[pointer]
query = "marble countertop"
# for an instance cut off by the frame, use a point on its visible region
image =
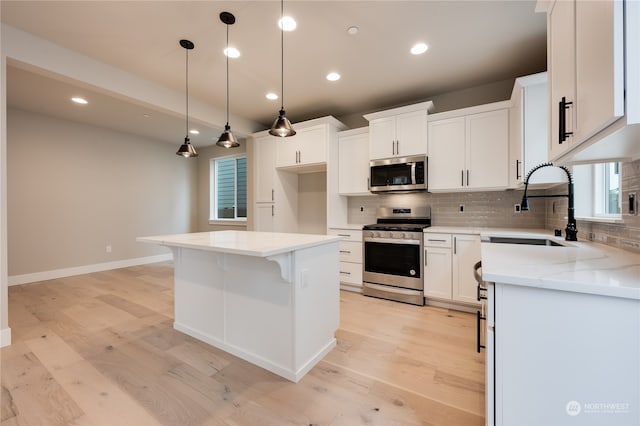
(479, 230)
(247, 243)
(582, 267)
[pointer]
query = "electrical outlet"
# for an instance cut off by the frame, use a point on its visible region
(108, 248)
(461, 208)
(516, 208)
(633, 204)
(361, 208)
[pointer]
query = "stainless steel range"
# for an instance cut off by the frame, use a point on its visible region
(393, 254)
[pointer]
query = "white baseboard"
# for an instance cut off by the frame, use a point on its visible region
(87, 269)
(5, 337)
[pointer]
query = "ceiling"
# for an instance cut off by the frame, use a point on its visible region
(471, 43)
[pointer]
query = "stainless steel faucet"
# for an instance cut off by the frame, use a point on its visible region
(571, 231)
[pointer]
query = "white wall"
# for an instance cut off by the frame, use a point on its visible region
(312, 203)
(73, 189)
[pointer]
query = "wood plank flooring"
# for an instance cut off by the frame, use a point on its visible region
(100, 349)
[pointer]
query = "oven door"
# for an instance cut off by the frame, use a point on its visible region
(393, 262)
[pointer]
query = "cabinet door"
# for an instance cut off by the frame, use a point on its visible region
(353, 164)
(411, 133)
(466, 252)
(446, 154)
(437, 272)
(487, 150)
(287, 151)
(599, 65)
(382, 132)
(264, 221)
(312, 145)
(264, 162)
(562, 71)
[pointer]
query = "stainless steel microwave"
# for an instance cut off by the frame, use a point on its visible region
(398, 174)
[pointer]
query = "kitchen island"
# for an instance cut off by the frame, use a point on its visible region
(271, 299)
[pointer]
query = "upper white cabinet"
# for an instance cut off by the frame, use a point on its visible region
(398, 132)
(469, 149)
(590, 48)
(353, 162)
(307, 147)
(264, 149)
(529, 133)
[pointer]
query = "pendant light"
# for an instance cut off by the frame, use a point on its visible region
(227, 139)
(186, 149)
(282, 126)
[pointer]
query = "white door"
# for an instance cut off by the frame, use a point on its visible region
(312, 145)
(411, 133)
(382, 133)
(353, 164)
(466, 252)
(437, 272)
(446, 154)
(562, 71)
(264, 161)
(488, 150)
(264, 221)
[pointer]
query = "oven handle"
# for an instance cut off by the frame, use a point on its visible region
(392, 241)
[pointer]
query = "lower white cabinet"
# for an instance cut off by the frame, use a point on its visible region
(350, 258)
(562, 357)
(265, 215)
(448, 267)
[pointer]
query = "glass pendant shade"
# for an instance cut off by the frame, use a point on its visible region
(187, 150)
(282, 126)
(227, 139)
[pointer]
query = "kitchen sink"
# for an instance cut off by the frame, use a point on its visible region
(527, 241)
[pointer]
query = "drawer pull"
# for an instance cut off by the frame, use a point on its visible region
(345, 251)
(345, 273)
(439, 241)
(344, 235)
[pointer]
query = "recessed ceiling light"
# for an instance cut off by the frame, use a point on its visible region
(333, 76)
(232, 52)
(78, 100)
(419, 48)
(353, 30)
(194, 132)
(271, 96)
(287, 23)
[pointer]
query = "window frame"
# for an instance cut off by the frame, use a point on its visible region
(213, 192)
(591, 193)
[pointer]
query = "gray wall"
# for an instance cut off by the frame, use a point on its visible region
(75, 188)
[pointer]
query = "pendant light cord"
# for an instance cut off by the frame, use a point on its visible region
(227, 55)
(187, 91)
(282, 53)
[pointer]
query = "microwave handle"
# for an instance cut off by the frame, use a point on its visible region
(413, 173)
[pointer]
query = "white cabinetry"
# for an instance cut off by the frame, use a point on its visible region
(350, 258)
(469, 149)
(585, 46)
(398, 132)
(264, 149)
(575, 354)
(353, 162)
(448, 268)
(529, 133)
(307, 147)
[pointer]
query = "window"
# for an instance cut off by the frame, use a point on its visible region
(597, 191)
(228, 188)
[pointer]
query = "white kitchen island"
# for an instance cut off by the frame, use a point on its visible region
(269, 298)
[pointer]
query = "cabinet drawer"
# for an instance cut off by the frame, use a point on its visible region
(351, 273)
(350, 251)
(437, 240)
(348, 234)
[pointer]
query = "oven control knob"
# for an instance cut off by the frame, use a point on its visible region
(412, 272)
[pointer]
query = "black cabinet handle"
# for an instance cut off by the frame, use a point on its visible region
(479, 318)
(563, 106)
(517, 169)
(461, 177)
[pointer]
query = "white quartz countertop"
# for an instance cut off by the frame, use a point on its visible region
(247, 243)
(478, 230)
(582, 267)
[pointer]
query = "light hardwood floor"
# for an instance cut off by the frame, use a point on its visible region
(99, 349)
